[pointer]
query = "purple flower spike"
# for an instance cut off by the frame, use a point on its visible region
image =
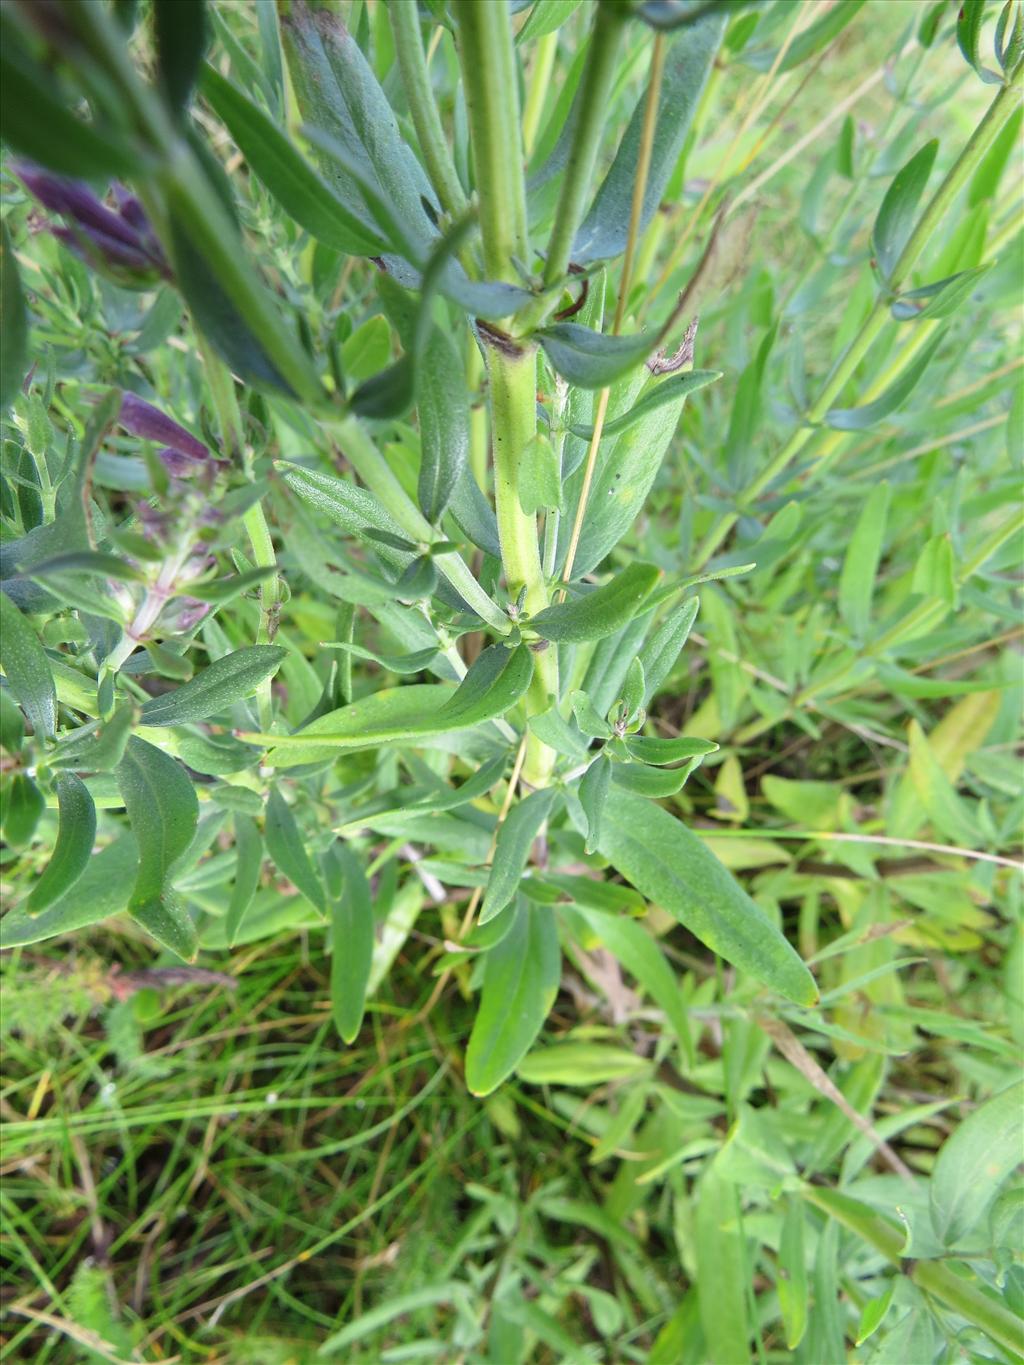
(142, 419)
(118, 243)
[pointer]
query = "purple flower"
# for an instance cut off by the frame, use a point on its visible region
(119, 243)
(182, 454)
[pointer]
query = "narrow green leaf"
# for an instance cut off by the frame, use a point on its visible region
(13, 323)
(36, 120)
(217, 688)
(722, 1271)
(493, 685)
(354, 509)
(632, 944)
(592, 360)
(521, 976)
(588, 718)
(859, 419)
(12, 725)
(660, 652)
(76, 832)
(163, 813)
(23, 806)
(668, 391)
(873, 1314)
(215, 313)
(950, 815)
(806, 44)
(602, 611)
(443, 405)
(248, 864)
(296, 186)
(942, 299)
(545, 17)
(968, 36)
(791, 1283)
(181, 38)
(653, 782)
(935, 571)
(352, 938)
(101, 891)
(646, 749)
(671, 867)
(688, 63)
(857, 578)
(27, 669)
(99, 745)
(286, 847)
(512, 850)
(898, 213)
(556, 732)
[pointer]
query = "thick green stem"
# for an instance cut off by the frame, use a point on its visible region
(489, 77)
(405, 25)
(513, 405)
(966, 1296)
(994, 120)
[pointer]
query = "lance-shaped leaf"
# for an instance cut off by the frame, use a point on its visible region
(660, 652)
(521, 976)
(974, 1162)
(181, 38)
(98, 745)
(592, 360)
(857, 579)
(288, 850)
(633, 945)
(348, 505)
(27, 669)
(163, 813)
(602, 611)
(688, 63)
(296, 186)
(442, 402)
(898, 212)
(593, 792)
(859, 419)
(248, 864)
(13, 323)
(806, 44)
(656, 783)
(512, 850)
(76, 831)
(493, 685)
(352, 941)
(217, 688)
(672, 868)
(661, 751)
(668, 391)
(101, 891)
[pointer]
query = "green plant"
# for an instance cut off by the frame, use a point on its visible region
(206, 635)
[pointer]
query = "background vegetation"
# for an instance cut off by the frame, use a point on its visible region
(196, 1168)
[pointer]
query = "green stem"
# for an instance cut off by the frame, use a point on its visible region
(412, 62)
(995, 118)
(968, 1297)
(232, 435)
(513, 399)
(489, 78)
